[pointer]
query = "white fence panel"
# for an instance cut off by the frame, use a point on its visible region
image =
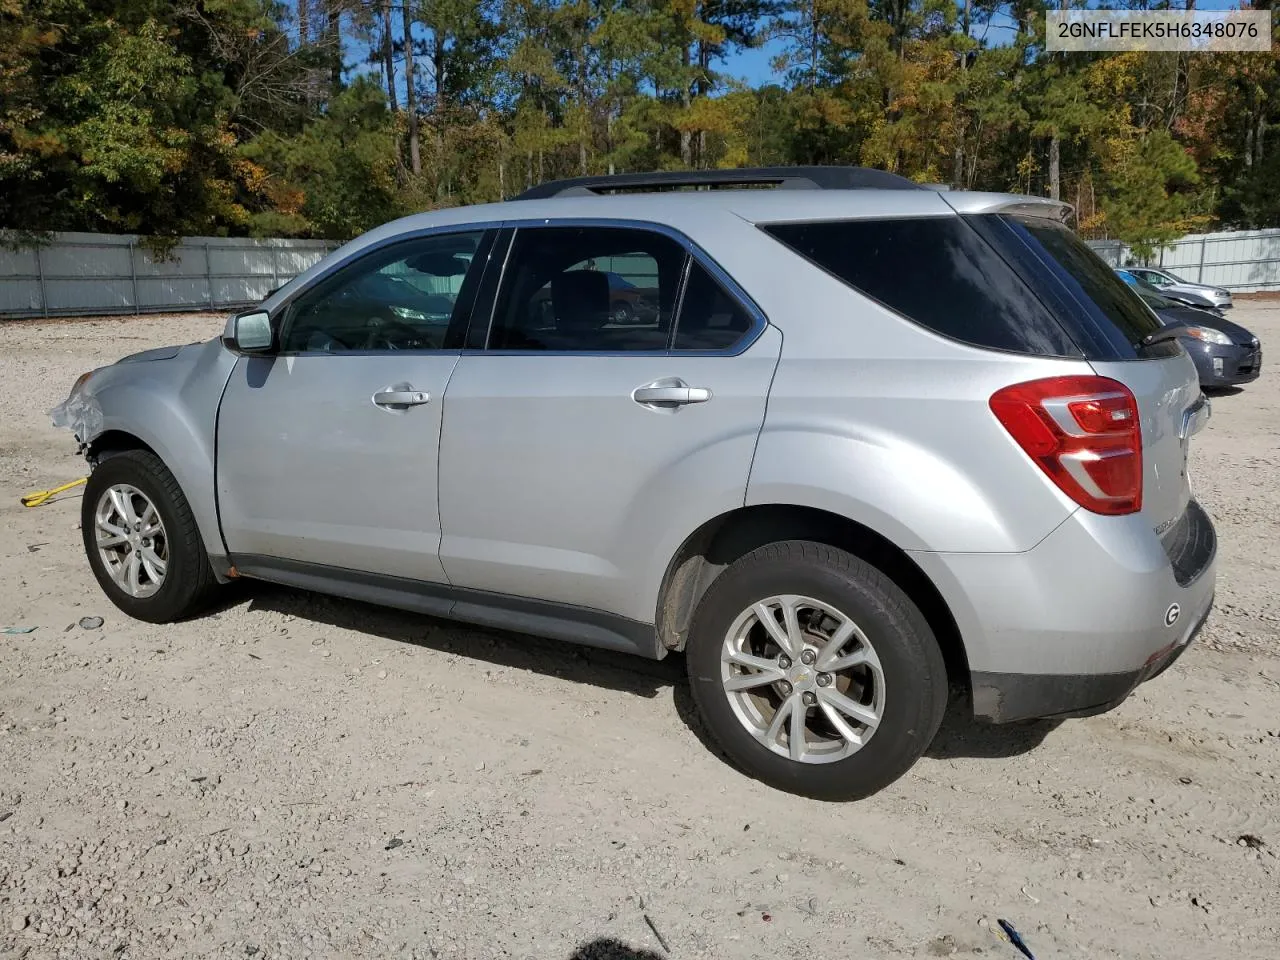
(1243, 261)
(87, 273)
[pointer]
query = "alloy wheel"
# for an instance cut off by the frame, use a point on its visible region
(131, 540)
(803, 679)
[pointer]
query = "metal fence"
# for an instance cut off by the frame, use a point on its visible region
(89, 273)
(1244, 261)
(85, 274)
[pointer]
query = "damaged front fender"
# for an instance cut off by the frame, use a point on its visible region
(168, 401)
(80, 413)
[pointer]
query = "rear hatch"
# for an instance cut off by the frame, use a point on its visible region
(1113, 327)
(1007, 275)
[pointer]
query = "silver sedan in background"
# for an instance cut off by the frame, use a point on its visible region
(1170, 283)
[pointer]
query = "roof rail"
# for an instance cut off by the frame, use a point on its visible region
(782, 178)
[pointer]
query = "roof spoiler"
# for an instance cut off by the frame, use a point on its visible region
(965, 202)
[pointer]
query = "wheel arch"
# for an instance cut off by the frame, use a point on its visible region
(709, 550)
(115, 441)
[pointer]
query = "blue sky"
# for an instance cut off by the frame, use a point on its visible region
(753, 66)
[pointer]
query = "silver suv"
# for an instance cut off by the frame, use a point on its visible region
(867, 442)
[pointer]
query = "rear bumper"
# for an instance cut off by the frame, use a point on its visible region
(1005, 697)
(1073, 625)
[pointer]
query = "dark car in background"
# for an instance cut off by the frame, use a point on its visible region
(1225, 353)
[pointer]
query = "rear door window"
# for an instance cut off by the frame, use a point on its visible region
(937, 272)
(587, 289)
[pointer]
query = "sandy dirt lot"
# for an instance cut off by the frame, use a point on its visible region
(296, 777)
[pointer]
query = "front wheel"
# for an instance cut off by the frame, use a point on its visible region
(142, 540)
(814, 672)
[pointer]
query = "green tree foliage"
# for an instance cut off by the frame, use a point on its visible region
(337, 177)
(325, 117)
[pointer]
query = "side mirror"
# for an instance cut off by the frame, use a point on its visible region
(249, 333)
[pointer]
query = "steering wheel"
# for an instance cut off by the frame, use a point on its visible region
(382, 330)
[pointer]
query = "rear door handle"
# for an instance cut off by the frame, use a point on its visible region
(401, 398)
(671, 392)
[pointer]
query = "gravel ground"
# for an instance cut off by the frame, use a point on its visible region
(294, 776)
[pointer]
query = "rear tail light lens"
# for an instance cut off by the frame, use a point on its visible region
(1084, 433)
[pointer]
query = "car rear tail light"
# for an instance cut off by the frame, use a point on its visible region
(1084, 433)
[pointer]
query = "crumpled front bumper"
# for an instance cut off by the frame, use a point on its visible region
(81, 414)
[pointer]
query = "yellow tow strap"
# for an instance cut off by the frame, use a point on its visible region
(43, 496)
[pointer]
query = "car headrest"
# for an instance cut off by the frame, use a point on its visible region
(580, 299)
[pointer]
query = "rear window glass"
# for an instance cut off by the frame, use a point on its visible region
(1086, 277)
(937, 272)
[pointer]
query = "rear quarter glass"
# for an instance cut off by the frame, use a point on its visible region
(1015, 283)
(937, 272)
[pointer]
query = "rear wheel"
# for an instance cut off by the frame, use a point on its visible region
(142, 541)
(814, 672)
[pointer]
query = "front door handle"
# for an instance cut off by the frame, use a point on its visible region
(671, 392)
(401, 398)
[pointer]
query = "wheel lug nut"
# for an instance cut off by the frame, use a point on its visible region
(824, 679)
(785, 687)
(809, 698)
(784, 662)
(808, 657)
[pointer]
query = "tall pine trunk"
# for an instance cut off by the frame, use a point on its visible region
(439, 105)
(957, 160)
(333, 36)
(388, 60)
(1055, 185)
(410, 97)
(686, 100)
(814, 28)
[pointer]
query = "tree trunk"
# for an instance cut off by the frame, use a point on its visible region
(703, 89)
(334, 37)
(410, 98)
(1054, 183)
(440, 103)
(388, 60)
(1261, 136)
(957, 162)
(813, 45)
(304, 23)
(686, 100)
(608, 136)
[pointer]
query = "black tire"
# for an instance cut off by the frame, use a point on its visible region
(915, 676)
(188, 583)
